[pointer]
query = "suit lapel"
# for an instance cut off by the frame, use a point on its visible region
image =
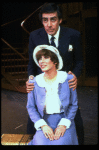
(44, 37)
(61, 32)
(63, 37)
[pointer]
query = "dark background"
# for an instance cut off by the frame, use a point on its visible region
(13, 13)
(14, 10)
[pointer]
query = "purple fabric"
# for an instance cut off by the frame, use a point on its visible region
(69, 138)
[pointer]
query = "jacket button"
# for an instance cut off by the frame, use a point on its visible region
(61, 107)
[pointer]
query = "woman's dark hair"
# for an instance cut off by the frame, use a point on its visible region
(50, 8)
(47, 53)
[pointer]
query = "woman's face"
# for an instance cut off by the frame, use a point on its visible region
(46, 64)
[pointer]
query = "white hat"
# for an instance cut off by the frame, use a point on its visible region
(51, 48)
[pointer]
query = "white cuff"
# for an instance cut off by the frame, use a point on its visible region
(65, 122)
(31, 76)
(39, 123)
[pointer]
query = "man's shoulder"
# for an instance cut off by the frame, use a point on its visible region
(38, 31)
(70, 31)
(74, 31)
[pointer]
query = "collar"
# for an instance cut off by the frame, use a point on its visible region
(56, 35)
(61, 78)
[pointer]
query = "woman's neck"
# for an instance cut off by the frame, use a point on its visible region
(50, 75)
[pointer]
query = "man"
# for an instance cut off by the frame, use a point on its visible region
(68, 42)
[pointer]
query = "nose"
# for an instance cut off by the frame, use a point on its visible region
(49, 23)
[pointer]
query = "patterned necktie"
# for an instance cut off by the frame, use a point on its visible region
(52, 41)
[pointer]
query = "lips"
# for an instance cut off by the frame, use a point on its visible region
(43, 66)
(50, 30)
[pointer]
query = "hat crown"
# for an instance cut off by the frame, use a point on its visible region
(48, 47)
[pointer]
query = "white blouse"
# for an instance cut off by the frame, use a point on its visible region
(52, 102)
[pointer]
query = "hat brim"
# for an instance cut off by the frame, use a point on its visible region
(51, 48)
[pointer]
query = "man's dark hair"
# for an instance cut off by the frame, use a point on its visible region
(50, 8)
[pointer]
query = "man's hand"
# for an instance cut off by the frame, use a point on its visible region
(48, 132)
(29, 86)
(59, 131)
(73, 81)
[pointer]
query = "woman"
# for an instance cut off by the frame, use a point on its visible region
(52, 105)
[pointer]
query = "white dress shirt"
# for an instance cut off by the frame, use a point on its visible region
(56, 38)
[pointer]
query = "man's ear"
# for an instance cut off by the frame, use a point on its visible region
(60, 21)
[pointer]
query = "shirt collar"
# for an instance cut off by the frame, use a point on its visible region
(56, 35)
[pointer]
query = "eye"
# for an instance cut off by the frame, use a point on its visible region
(39, 58)
(53, 19)
(45, 19)
(46, 57)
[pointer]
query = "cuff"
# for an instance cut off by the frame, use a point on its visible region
(39, 123)
(31, 76)
(65, 122)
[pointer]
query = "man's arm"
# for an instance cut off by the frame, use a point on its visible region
(29, 86)
(77, 56)
(32, 68)
(72, 82)
(31, 65)
(78, 61)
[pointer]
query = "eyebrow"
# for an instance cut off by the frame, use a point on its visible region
(50, 18)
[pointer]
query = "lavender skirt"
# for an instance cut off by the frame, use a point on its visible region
(69, 138)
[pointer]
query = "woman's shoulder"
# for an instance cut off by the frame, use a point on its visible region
(63, 76)
(36, 78)
(39, 80)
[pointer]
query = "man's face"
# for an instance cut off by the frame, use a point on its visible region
(51, 22)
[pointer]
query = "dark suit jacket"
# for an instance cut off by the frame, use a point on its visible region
(72, 60)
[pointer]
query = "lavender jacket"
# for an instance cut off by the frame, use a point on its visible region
(68, 98)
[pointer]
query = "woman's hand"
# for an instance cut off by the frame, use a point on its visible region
(59, 131)
(48, 132)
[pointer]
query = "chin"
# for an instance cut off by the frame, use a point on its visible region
(51, 33)
(44, 70)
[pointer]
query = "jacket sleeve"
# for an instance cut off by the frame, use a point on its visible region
(32, 109)
(71, 109)
(31, 105)
(78, 56)
(73, 104)
(32, 68)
